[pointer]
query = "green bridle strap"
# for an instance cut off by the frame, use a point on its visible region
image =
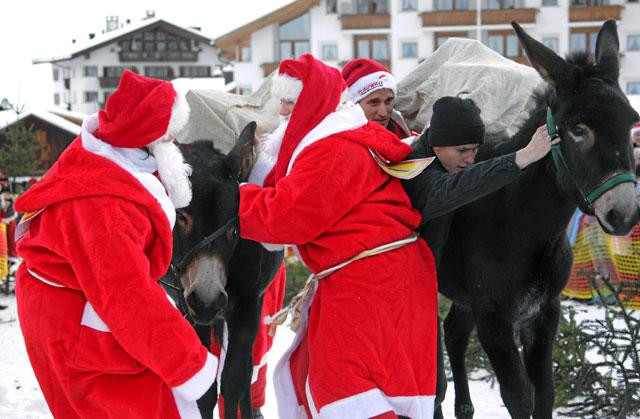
(559, 162)
(609, 184)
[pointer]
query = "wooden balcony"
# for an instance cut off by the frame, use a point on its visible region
(268, 68)
(468, 17)
(492, 17)
(188, 56)
(108, 82)
(449, 18)
(594, 13)
(372, 21)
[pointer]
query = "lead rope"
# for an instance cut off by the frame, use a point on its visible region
(295, 305)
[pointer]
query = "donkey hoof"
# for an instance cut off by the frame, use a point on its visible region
(464, 411)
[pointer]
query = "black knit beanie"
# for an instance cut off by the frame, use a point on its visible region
(455, 121)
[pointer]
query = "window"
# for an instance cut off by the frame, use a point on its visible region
(366, 7)
(90, 71)
(56, 74)
(159, 72)
(409, 50)
(452, 5)
(56, 98)
(504, 43)
(583, 39)
(589, 2)
(330, 52)
(549, 2)
(633, 43)
(155, 40)
(375, 47)
(501, 4)
(633, 88)
(332, 7)
(245, 54)
(496, 43)
(195, 71)
(114, 71)
(90, 97)
(551, 43)
(409, 5)
(441, 37)
(294, 37)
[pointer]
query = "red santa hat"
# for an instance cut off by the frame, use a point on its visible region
(146, 112)
(316, 88)
(364, 76)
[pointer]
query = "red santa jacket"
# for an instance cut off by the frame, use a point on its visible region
(335, 202)
(89, 204)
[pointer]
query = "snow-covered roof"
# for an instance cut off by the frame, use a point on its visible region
(72, 116)
(111, 36)
(9, 117)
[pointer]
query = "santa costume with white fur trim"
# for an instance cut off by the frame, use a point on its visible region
(360, 352)
(102, 337)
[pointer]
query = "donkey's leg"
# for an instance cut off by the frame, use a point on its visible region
(495, 332)
(238, 368)
(537, 340)
(208, 401)
(457, 328)
(441, 380)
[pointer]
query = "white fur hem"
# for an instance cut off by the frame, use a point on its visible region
(199, 383)
(370, 83)
(285, 87)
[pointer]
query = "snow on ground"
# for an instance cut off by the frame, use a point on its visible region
(20, 396)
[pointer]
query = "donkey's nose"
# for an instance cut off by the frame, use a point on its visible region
(622, 221)
(205, 311)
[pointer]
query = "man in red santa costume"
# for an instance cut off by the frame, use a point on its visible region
(366, 345)
(372, 86)
(103, 338)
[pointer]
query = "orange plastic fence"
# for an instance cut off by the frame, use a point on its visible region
(598, 255)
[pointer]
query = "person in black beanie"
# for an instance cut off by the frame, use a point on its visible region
(453, 179)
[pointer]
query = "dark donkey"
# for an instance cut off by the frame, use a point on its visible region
(508, 256)
(221, 277)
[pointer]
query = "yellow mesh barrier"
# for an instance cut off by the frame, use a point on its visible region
(4, 251)
(597, 255)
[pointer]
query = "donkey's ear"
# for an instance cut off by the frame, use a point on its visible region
(607, 49)
(550, 65)
(242, 156)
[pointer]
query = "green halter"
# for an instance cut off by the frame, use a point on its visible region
(560, 163)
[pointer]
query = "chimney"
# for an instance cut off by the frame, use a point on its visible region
(150, 14)
(112, 23)
(73, 41)
(92, 35)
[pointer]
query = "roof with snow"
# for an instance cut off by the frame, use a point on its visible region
(10, 117)
(101, 40)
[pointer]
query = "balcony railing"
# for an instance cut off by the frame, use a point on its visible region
(370, 21)
(127, 56)
(594, 13)
(468, 17)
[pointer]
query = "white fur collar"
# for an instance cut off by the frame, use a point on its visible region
(137, 162)
(346, 119)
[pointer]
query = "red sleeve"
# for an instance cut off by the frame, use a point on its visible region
(325, 183)
(106, 250)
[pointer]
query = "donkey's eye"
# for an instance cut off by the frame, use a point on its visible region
(579, 133)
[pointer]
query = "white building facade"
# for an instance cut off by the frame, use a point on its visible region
(84, 78)
(402, 33)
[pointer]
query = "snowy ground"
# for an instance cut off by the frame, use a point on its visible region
(20, 396)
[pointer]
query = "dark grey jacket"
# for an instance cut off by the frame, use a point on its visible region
(436, 193)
